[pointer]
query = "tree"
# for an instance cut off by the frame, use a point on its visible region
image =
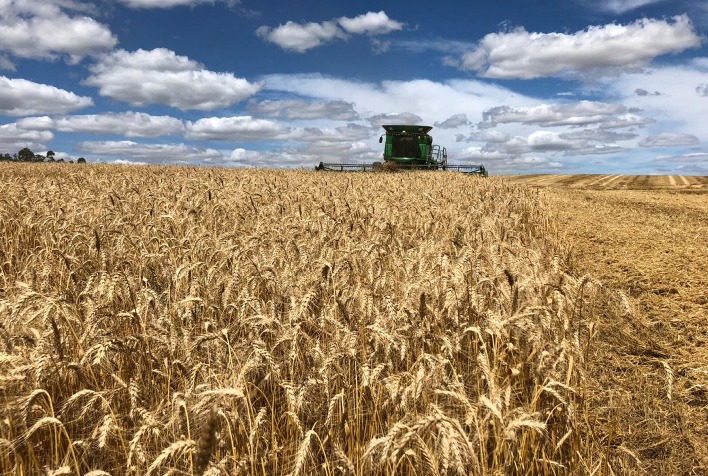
(81, 160)
(50, 156)
(25, 155)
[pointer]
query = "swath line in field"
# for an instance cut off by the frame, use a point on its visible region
(684, 180)
(583, 181)
(597, 180)
(611, 179)
(550, 179)
(672, 180)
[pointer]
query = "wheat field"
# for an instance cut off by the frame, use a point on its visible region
(171, 320)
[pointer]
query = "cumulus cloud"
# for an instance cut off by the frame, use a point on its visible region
(644, 92)
(337, 151)
(698, 158)
(428, 101)
(160, 76)
(678, 108)
(484, 135)
(370, 23)
(702, 90)
(237, 128)
(378, 120)
(501, 162)
(128, 124)
(627, 120)
(454, 121)
(621, 6)
(300, 37)
(599, 135)
(166, 3)
(43, 30)
(344, 134)
(6, 64)
(519, 54)
(537, 150)
(13, 138)
(297, 109)
(669, 139)
(379, 47)
(582, 113)
(694, 163)
(148, 153)
(19, 97)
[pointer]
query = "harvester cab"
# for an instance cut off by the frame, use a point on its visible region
(407, 147)
(411, 147)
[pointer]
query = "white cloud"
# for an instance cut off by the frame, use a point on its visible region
(128, 124)
(345, 134)
(394, 118)
(297, 109)
(43, 30)
(693, 163)
(165, 3)
(669, 139)
(678, 107)
(13, 138)
(547, 141)
(305, 157)
(539, 150)
(428, 101)
(503, 163)
(621, 6)
(485, 135)
(237, 128)
(126, 162)
(454, 121)
(627, 120)
(19, 97)
(6, 64)
(581, 113)
(301, 37)
(338, 151)
(370, 23)
(379, 47)
(149, 153)
(609, 48)
(160, 76)
(599, 135)
(246, 128)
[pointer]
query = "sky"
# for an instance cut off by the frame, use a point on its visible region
(521, 86)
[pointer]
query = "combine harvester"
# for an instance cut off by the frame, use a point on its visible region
(408, 147)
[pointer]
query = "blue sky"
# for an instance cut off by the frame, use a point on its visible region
(575, 86)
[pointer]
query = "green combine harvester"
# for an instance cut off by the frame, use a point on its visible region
(408, 147)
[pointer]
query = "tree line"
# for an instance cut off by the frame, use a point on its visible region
(26, 155)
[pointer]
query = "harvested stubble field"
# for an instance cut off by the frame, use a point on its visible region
(646, 236)
(210, 321)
